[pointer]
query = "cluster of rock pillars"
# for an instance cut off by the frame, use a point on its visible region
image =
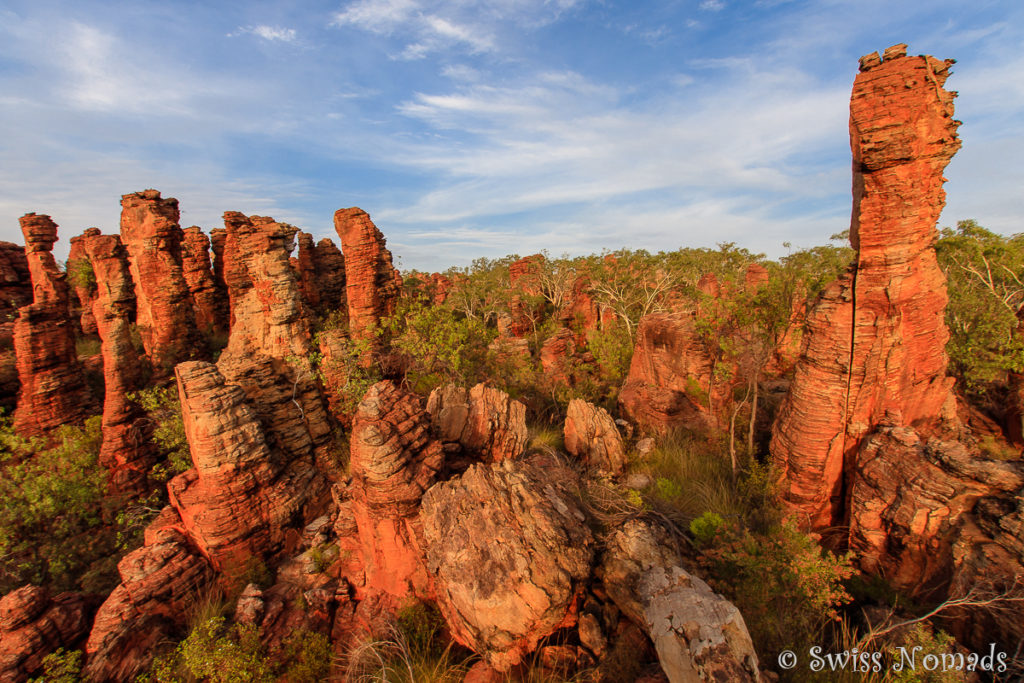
(442, 503)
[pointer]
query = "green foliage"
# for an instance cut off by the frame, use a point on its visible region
(163, 407)
(217, 652)
(932, 642)
(61, 666)
(52, 503)
(613, 349)
(421, 626)
(81, 274)
(706, 527)
(441, 347)
(984, 272)
(347, 372)
(787, 588)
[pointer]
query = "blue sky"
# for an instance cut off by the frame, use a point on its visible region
(486, 127)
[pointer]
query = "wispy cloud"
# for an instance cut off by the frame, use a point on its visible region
(270, 33)
(712, 5)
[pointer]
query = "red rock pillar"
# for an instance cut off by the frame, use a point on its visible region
(152, 236)
(83, 285)
(210, 302)
(370, 283)
(53, 390)
(875, 346)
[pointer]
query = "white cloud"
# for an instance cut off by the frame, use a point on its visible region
(712, 5)
(271, 33)
(377, 16)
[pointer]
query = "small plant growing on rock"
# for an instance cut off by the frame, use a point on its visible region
(706, 527)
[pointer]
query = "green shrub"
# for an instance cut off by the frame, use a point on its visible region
(163, 407)
(81, 274)
(706, 527)
(61, 666)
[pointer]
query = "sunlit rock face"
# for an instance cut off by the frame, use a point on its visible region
(875, 347)
(372, 283)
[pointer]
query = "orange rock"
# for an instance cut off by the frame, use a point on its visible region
(210, 304)
(83, 291)
(394, 460)
(32, 625)
(484, 421)
(372, 284)
(591, 436)
(876, 340)
(164, 308)
(127, 451)
(321, 274)
(53, 390)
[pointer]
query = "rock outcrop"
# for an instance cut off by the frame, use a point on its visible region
(53, 390)
(32, 625)
(371, 285)
(591, 436)
(127, 451)
(509, 548)
(82, 283)
(244, 499)
(209, 302)
(484, 421)
(159, 582)
(164, 308)
(699, 635)
(670, 376)
(321, 274)
(394, 460)
(15, 281)
(875, 349)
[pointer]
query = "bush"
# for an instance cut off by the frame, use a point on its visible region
(706, 527)
(81, 274)
(163, 407)
(52, 505)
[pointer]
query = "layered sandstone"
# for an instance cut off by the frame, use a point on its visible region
(484, 421)
(82, 282)
(32, 625)
(372, 284)
(394, 459)
(670, 376)
(164, 308)
(159, 583)
(875, 347)
(321, 274)
(509, 548)
(15, 281)
(243, 499)
(126, 451)
(53, 390)
(210, 304)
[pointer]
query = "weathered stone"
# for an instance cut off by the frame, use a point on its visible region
(371, 285)
(484, 421)
(394, 460)
(698, 634)
(209, 301)
(158, 583)
(321, 274)
(53, 390)
(164, 309)
(32, 625)
(127, 451)
(876, 340)
(81, 284)
(670, 376)
(509, 548)
(591, 435)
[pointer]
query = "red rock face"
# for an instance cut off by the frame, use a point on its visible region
(755, 278)
(270, 341)
(218, 239)
(441, 287)
(77, 266)
(32, 625)
(370, 279)
(591, 436)
(127, 451)
(321, 272)
(524, 274)
(305, 266)
(484, 421)
(556, 355)
(876, 344)
(210, 305)
(52, 391)
(394, 460)
(15, 281)
(165, 317)
(669, 376)
(244, 498)
(159, 582)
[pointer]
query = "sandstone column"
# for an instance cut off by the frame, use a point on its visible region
(371, 284)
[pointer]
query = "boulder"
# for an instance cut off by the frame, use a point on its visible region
(484, 420)
(591, 436)
(32, 625)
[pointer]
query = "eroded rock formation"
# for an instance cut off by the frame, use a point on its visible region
(83, 284)
(394, 460)
(321, 273)
(32, 625)
(483, 421)
(509, 548)
(371, 285)
(164, 308)
(53, 390)
(127, 451)
(875, 347)
(210, 304)
(670, 376)
(699, 635)
(591, 436)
